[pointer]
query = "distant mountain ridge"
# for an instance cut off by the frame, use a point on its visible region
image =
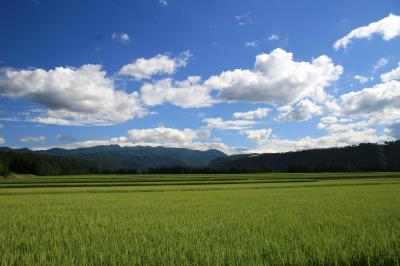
(141, 158)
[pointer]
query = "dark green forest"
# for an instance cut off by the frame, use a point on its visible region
(41, 164)
(364, 157)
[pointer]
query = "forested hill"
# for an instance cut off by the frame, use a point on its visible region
(364, 157)
(101, 159)
(114, 157)
(26, 162)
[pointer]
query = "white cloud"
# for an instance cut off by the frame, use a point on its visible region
(33, 139)
(379, 104)
(361, 79)
(301, 111)
(163, 2)
(334, 139)
(391, 75)
(343, 126)
(258, 113)
(2, 141)
(253, 44)
(388, 28)
(162, 135)
(345, 120)
(1, 125)
(144, 68)
(276, 77)
(244, 19)
(328, 120)
(258, 135)
(73, 96)
(189, 93)
(381, 63)
(273, 37)
(121, 37)
(219, 123)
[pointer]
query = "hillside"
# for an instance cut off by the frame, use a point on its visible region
(101, 159)
(364, 157)
(114, 157)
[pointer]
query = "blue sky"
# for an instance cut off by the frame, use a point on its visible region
(240, 76)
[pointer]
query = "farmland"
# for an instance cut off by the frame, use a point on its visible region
(248, 219)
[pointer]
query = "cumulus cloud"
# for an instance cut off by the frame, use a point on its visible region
(258, 113)
(361, 79)
(189, 93)
(162, 135)
(219, 123)
(335, 139)
(391, 75)
(143, 68)
(2, 141)
(379, 104)
(33, 139)
(163, 2)
(388, 28)
(121, 37)
(277, 78)
(73, 96)
(258, 135)
(301, 111)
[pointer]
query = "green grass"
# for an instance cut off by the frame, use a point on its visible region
(255, 219)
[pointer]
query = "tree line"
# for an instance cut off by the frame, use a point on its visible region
(363, 157)
(40, 164)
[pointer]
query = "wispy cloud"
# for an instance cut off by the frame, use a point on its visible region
(219, 123)
(33, 139)
(63, 138)
(253, 44)
(273, 37)
(391, 75)
(244, 19)
(163, 2)
(388, 28)
(121, 37)
(258, 113)
(381, 63)
(362, 79)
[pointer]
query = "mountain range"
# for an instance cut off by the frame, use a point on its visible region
(115, 159)
(141, 158)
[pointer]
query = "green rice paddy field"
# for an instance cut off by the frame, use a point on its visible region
(249, 219)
